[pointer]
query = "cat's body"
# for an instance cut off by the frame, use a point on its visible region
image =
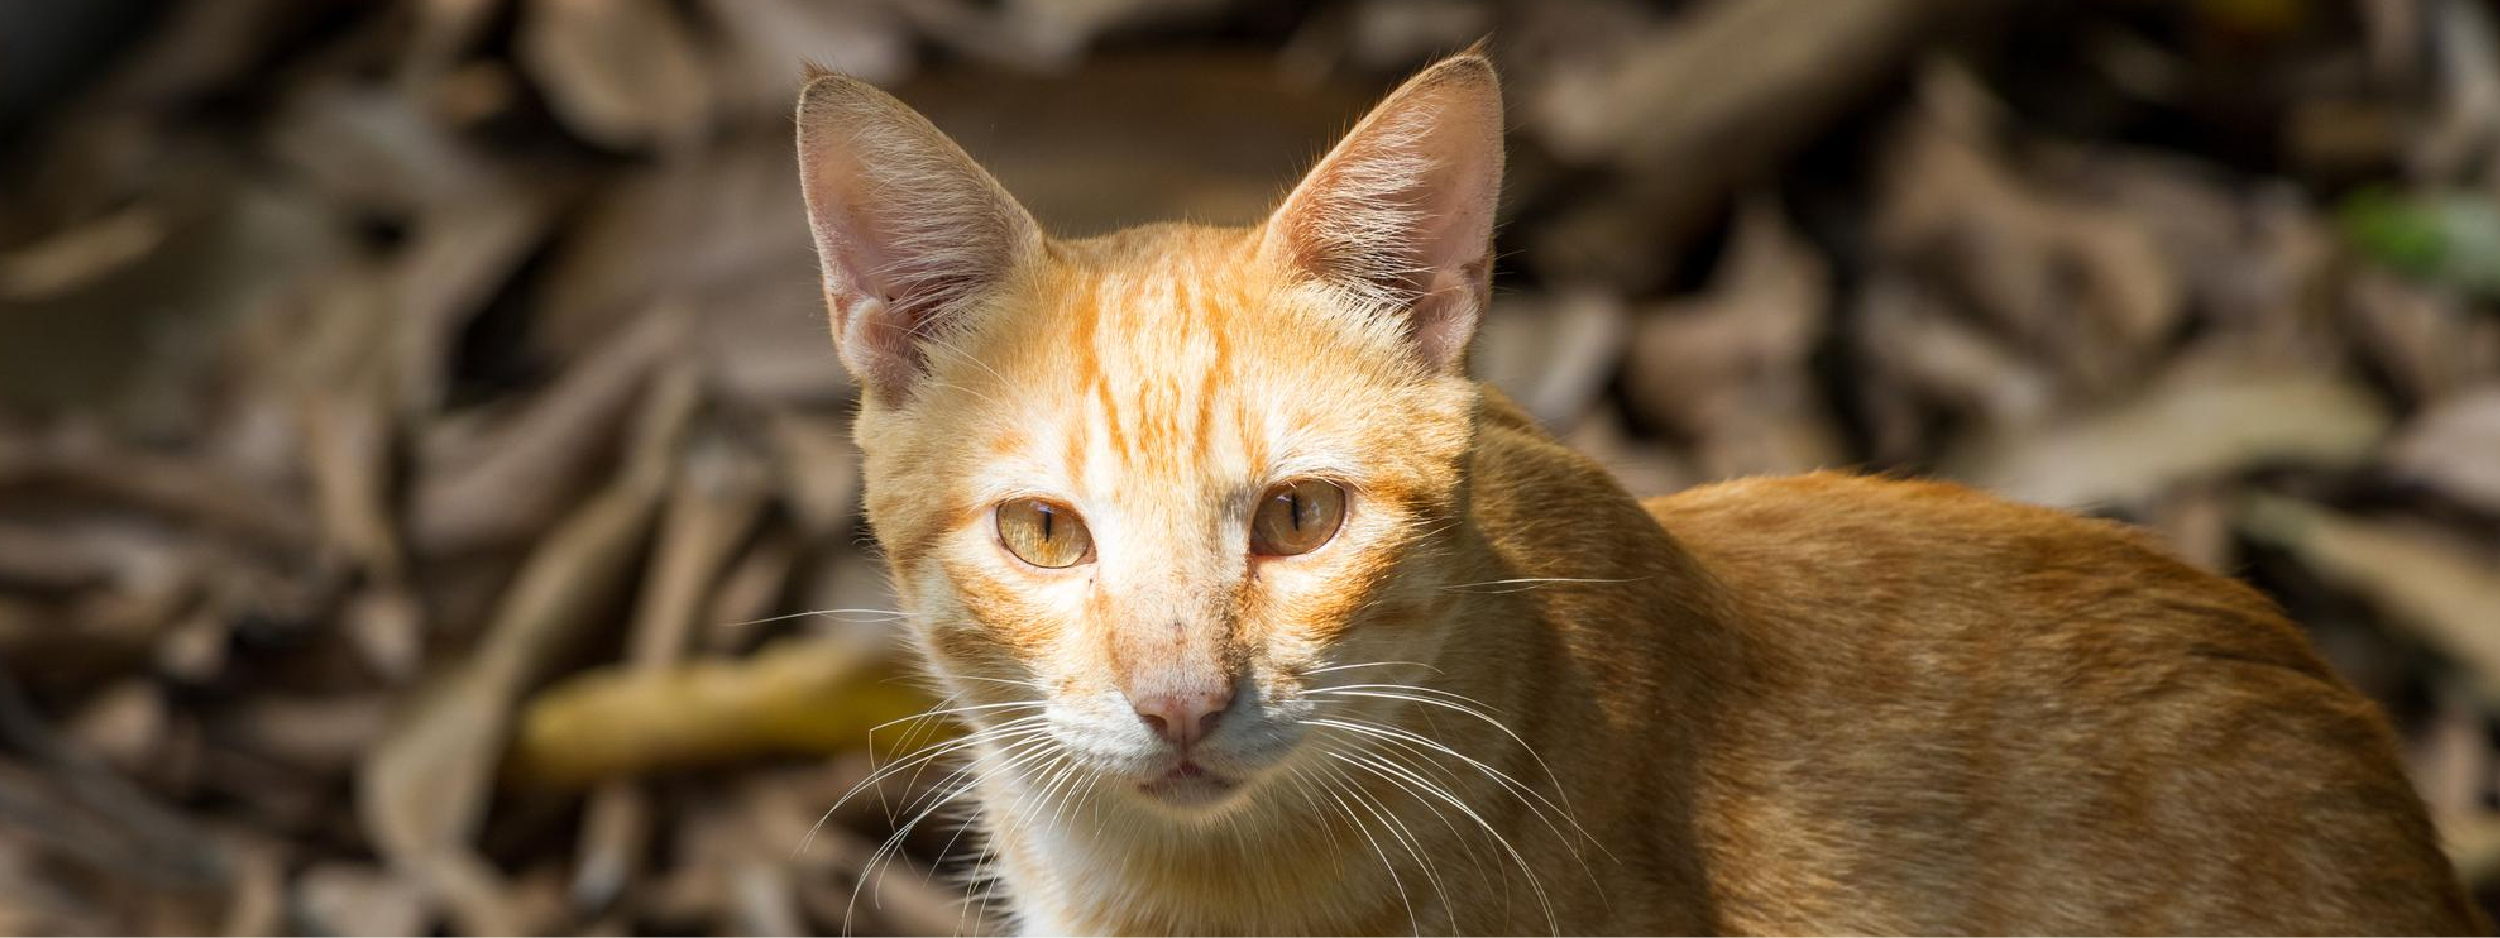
(1832, 704)
(1267, 620)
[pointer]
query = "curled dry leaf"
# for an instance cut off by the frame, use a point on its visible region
(765, 41)
(2084, 285)
(500, 488)
(1553, 358)
(1382, 36)
(748, 591)
(2454, 448)
(2452, 761)
(82, 464)
(460, 251)
(1919, 355)
(2439, 589)
(256, 905)
(2465, 52)
(625, 74)
(1040, 35)
(1721, 94)
(1729, 368)
(2197, 425)
(321, 735)
(720, 494)
(376, 147)
(2194, 517)
(347, 435)
(124, 725)
(2256, 264)
(74, 257)
(355, 900)
(692, 231)
(2428, 341)
(1644, 468)
(818, 469)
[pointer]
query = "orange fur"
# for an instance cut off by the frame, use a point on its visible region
(1821, 704)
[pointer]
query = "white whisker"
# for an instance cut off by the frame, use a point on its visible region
(1526, 583)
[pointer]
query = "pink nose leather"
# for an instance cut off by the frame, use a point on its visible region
(1184, 717)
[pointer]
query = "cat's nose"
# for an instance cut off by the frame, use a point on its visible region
(1184, 716)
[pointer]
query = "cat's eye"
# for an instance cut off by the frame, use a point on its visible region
(1044, 534)
(1296, 518)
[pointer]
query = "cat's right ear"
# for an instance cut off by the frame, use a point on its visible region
(909, 230)
(1400, 215)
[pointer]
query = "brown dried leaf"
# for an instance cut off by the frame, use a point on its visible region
(720, 493)
(512, 482)
(123, 725)
(1643, 468)
(1553, 358)
(766, 40)
(1722, 94)
(2460, 144)
(1918, 355)
(2429, 342)
(746, 593)
(76, 256)
(84, 464)
(2195, 518)
(1730, 368)
(818, 470)
(2454, 448)
(317, 735)
(355, 900)
(625, 74)
(375, 147)
(422, 791)
(2196, 425)
(694, 231)
(2083, 284)
(461, 250)
(2443, 593)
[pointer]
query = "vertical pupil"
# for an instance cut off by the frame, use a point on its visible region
(1044, 511)
(1293, 508)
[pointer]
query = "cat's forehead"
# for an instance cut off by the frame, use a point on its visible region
(1166, 350)
(1170, 309)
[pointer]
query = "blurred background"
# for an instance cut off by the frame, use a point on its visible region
(426, 502)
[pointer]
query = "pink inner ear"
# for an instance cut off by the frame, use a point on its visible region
(908, 228)
(1400, 214)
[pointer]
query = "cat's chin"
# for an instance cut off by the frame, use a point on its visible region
(1190, 788)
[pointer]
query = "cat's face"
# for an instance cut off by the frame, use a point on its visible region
(1143, 494)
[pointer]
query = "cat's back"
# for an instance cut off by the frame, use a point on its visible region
(1966, 714)
(1867, 562)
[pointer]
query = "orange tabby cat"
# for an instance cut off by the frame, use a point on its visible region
(1265, 619)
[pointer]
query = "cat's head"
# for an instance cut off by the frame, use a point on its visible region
(1146, 495)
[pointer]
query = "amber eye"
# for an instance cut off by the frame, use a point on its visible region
(1044, 534)
(1296, 518)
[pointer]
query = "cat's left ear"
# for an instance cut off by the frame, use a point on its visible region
(910, 232)
(1400, 214)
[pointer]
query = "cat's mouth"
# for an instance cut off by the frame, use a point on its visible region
(1189, 785)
